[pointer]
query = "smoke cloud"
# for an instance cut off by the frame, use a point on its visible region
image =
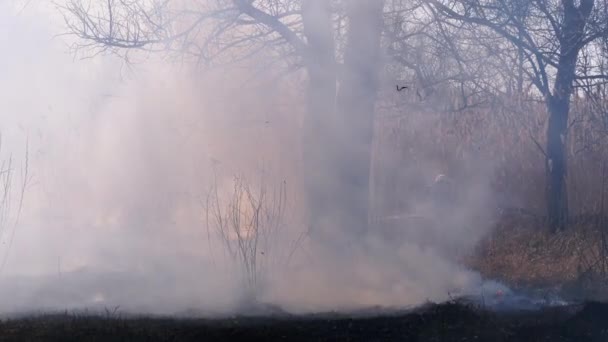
(122, 160)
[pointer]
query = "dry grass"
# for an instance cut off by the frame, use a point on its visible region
(500, 144)
(522, 253)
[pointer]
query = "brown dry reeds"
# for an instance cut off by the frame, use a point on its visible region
(505, 136)
(502, 142)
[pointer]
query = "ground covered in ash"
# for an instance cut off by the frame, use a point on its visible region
(454, 321)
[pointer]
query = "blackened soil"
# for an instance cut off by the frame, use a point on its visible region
(442, 322)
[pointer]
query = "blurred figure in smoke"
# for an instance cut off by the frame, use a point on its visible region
(444, 215)
(443, 196)
(426, 225)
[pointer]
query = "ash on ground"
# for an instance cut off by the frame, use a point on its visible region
(495, 296)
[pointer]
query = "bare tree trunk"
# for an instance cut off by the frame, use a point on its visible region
(575, 19)
(355, 113)
(556, 167)
(318, 138)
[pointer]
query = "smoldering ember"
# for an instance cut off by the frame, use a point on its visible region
(327, 170)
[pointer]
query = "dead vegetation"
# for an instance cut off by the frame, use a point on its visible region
(14, 180)
(250, 223)
(500, 146)
(523, 254)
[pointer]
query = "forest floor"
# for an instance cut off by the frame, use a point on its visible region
(454, 321)
(517, 253)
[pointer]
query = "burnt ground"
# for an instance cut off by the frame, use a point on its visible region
(444, 322)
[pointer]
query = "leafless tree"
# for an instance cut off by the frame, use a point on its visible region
(449, 67)
(549, 37)
(308, 34)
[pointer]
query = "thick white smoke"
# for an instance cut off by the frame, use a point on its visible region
(121, 160)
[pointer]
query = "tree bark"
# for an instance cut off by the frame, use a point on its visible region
(558, 104)
(556, 163)
(355, 112)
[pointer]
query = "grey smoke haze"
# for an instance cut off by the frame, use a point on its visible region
(121, 158)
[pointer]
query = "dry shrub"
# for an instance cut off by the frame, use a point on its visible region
(14, 181)
(250, 224)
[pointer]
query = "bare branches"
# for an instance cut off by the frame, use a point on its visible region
(270, 21)
(205, 30)
(122, 25)
(9, 220)
(546, 30)
(250, 225)
(117, 24)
